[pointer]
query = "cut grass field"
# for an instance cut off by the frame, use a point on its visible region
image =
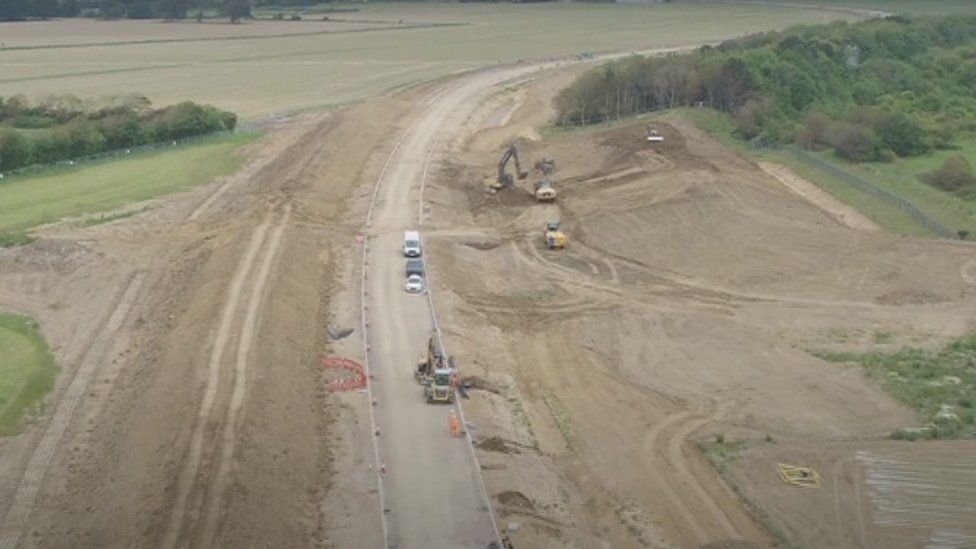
(29, 201)
(262, 67)
(27, 371)
(898, 177)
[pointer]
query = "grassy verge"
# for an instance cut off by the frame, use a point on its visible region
(563, 423)
(899, 178)
(940, 385)
(15, 238)
(30, 201)
(27, 371)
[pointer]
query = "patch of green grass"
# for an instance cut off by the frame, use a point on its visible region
(940, 385)
(27, 371)
(901, 178)
(720, 453)
(30, 201)
(12, 239)
(519, 417)
(563, 422)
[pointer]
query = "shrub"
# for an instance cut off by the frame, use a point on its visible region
(15, 150)
(856, 143)
(955, 175)
(902, 134)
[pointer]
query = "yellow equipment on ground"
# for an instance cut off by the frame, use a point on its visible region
(553, 236)
(435, 374)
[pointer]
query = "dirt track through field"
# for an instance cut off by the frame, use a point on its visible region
(90, 360)
(231, 422)
(188, 476)
(261, 248)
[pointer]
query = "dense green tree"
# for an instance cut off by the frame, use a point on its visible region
(15, 150)
(900, 86)
(172, 10)
(902, 134)
(70, 8)
(236, 9)
(13, 10)
(75, 128)
(44, 9)
(140, 9)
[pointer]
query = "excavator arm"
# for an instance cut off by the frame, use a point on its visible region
(504, 179)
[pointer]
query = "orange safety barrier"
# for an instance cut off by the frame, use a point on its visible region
(356, 381)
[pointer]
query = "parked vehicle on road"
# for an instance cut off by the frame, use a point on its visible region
(411, 244)
(414, 267)
(414, 284)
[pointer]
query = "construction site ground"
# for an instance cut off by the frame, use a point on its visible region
(193, 411)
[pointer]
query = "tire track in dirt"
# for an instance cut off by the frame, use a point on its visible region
(655, 443)
(677, 458)
(90, 358)
(246, 341)
(191, 465)
(685, 491)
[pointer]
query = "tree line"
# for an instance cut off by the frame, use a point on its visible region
(872, 91)
(174, 10)
(65, 127)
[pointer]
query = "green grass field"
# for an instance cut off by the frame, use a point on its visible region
(898, 177)
(261, 67)
(30, 201)
(27, 371)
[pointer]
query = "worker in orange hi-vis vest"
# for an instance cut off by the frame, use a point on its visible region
(452, 421)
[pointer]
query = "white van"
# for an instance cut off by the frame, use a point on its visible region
(411, 244)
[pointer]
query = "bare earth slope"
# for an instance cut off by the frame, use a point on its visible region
(690, 287)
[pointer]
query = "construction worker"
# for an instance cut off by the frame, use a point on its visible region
(453, 424)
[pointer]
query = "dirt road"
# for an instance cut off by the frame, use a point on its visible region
(433, 489)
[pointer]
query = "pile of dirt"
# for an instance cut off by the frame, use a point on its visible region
(498, 444)
(515, 499)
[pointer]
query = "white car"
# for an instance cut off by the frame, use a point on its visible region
(415, 284)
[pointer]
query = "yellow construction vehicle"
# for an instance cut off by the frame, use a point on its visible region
(503, 179)
(435, 374)
(553, 236)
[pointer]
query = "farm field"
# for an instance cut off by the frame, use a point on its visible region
(242, 69)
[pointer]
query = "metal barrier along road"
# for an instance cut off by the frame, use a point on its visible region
(870, 188)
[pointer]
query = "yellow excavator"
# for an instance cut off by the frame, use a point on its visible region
(505, 180)
(553, 236)
(434, 373)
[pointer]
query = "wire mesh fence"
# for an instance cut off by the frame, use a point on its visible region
(116, 154)
(870, 188)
